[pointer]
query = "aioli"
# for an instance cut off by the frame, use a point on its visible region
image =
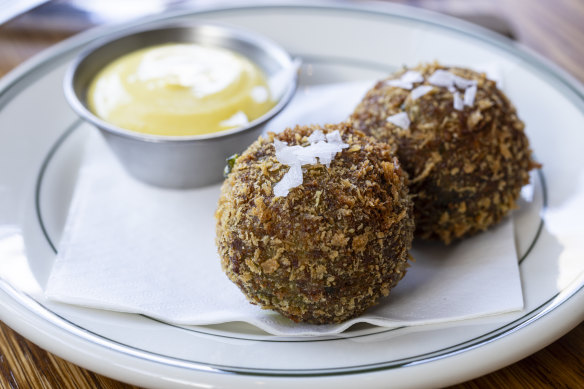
(180, 89)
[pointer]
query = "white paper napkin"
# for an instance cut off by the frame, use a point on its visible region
(134, 248)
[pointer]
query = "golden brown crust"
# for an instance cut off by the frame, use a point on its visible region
(466, 167)
(330, 248)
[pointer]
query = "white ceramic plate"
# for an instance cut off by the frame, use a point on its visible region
(40, 151)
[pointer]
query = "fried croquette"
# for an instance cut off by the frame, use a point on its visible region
(460, 140)
(331, 246)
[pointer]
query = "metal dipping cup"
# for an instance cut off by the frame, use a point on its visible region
(180, 162)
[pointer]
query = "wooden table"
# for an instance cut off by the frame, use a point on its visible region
(555, 29)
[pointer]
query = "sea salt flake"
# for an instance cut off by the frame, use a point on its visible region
(457, 102)
(469, 95)
(420, 91)
(400, 119)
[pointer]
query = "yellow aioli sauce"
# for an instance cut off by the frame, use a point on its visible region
(180, 89)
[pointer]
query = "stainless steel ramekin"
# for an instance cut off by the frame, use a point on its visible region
(179, 161)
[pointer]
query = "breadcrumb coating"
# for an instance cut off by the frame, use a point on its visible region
(329, 249)
(466, 166)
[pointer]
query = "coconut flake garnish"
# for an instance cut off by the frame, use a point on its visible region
(469, 95)
(420, 91)
(442, 78)
(322, 147)
(407, 80)
(458, 103)
(399, 84)
(412, 76)
(400, 119)
(451, 81)
(463, 83)
(316, 136)
(291, 179)
(334, 138)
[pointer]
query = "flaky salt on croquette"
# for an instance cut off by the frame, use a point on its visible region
(459, 138)
(333, 245)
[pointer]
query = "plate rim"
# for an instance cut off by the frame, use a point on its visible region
(21, 76)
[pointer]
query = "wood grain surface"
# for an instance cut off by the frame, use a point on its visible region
(554, 29)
